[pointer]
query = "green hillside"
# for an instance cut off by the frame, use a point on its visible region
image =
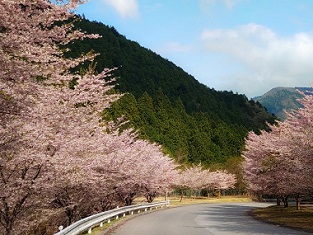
(192, 122)
(280, 100)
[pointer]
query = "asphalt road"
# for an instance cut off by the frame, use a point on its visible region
(217, 219)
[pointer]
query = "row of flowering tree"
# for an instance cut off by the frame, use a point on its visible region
(59, 161)
(280, 162)
(196, 178)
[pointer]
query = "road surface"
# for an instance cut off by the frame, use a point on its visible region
(202, 219)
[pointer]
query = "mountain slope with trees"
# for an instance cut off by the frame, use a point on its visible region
(194, 123)
(280, 100)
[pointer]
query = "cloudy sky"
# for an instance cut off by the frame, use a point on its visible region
(246, 46)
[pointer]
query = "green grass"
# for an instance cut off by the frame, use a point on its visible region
(175, 201)
(289, 217)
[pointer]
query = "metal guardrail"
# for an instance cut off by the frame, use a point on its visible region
(92, 221)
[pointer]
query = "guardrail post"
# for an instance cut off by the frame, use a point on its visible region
(89, 231)
(101, 224)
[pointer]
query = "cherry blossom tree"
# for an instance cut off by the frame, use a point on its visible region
(60, 138)
(221, 180)
(257, 149)
(267, 169)
(192, 178)
(55, 150)
(300, 148)
(279, 162)
(37, 108)
(145, 171)
(197, 178)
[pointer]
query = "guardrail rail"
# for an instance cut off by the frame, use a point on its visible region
(88, 223)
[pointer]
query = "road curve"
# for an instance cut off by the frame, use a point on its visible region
(202, 219)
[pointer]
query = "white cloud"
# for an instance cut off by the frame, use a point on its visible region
(125, 8)
(266, 59)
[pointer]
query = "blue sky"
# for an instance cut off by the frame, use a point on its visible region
(246, 46)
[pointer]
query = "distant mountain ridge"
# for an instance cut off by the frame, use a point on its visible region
(280, 100)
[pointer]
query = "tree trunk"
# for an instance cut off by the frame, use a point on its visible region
(278, 201)
(150, 196)
(285, 200)
(129, 199)
(219, 193)
(8, 230)
(70, 213)
(8, 224)
(298, 200)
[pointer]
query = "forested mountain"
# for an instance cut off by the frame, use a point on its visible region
(192, 122)
(280, 100)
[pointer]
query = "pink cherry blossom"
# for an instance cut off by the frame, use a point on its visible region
(279, 162)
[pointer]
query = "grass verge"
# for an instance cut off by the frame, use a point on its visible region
(175, 201)
(101, 230)
(289, 217)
